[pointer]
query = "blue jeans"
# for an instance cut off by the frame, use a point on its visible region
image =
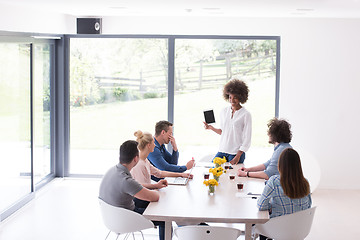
(230, 157)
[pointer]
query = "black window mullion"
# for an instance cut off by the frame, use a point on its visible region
(171, 78)
(32, 116)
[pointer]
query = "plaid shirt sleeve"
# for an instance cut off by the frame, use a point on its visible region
(264, 200)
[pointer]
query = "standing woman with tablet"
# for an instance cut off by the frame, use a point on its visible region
(235, 123)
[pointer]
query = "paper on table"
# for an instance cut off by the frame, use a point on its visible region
(245, 195)
(254, 194)
(205, 164)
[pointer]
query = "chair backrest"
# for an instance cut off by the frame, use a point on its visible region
(121, 220)
(293, 226)
(207, 158)
(206, 233)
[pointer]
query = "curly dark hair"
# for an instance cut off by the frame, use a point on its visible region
(279, 130)
(238, 88)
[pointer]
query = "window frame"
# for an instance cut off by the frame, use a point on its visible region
(63, 167)
(26, 38)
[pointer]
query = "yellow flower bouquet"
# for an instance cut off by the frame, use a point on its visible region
(219, 161)
(211, 183)
(216, 172)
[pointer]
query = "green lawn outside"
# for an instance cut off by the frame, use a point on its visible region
(106, 126)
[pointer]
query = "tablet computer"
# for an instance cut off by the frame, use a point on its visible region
(209, 116)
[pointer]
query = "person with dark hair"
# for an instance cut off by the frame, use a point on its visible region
(279, 132)
(143, 171)
(161, 157)
(118, 188)
(288, 192)
(235, 123)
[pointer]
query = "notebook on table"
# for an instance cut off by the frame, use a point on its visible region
(179, 180)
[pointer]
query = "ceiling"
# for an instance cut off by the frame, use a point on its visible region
(213, 8)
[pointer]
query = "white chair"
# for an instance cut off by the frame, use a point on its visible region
(197, 232)
(295, 226)
(123, 221)
(207, 158)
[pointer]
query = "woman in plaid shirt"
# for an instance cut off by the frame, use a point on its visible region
(288, 192)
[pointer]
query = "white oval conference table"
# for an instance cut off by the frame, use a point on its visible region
(192, 203)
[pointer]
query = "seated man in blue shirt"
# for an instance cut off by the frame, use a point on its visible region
(160, 157)
(280, 135)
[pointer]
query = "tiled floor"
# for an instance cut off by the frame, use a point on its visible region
(68, 209)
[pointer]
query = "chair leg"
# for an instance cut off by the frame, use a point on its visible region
(108, 235)
(118, 236)
(142, 235)
(254, 236)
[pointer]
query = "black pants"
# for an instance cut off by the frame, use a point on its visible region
(263, 237)
(140, 206)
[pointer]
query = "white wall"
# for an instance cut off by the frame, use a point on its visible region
(17, 19)
(320, 78)
(320, 86)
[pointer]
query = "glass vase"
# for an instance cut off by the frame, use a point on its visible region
(211, 190)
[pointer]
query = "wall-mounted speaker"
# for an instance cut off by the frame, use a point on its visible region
(88, 25)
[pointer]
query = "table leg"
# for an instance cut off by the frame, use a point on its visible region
(248, 229)
(168, 233)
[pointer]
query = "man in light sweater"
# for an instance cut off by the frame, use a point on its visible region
(280, 135)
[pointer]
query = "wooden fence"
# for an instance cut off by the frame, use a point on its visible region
(193, 78)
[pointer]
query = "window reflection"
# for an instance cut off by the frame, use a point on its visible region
(41, 106)
(202, 67)
(15, 148)
(117, 86)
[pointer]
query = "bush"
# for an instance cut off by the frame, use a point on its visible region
(151, 95)
(123, 94)
(119, 93)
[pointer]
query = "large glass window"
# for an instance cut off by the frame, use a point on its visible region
(25, 75)
(202, 67)
(15, 127)
(120, 85)
(41, 108)
(117, 86)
